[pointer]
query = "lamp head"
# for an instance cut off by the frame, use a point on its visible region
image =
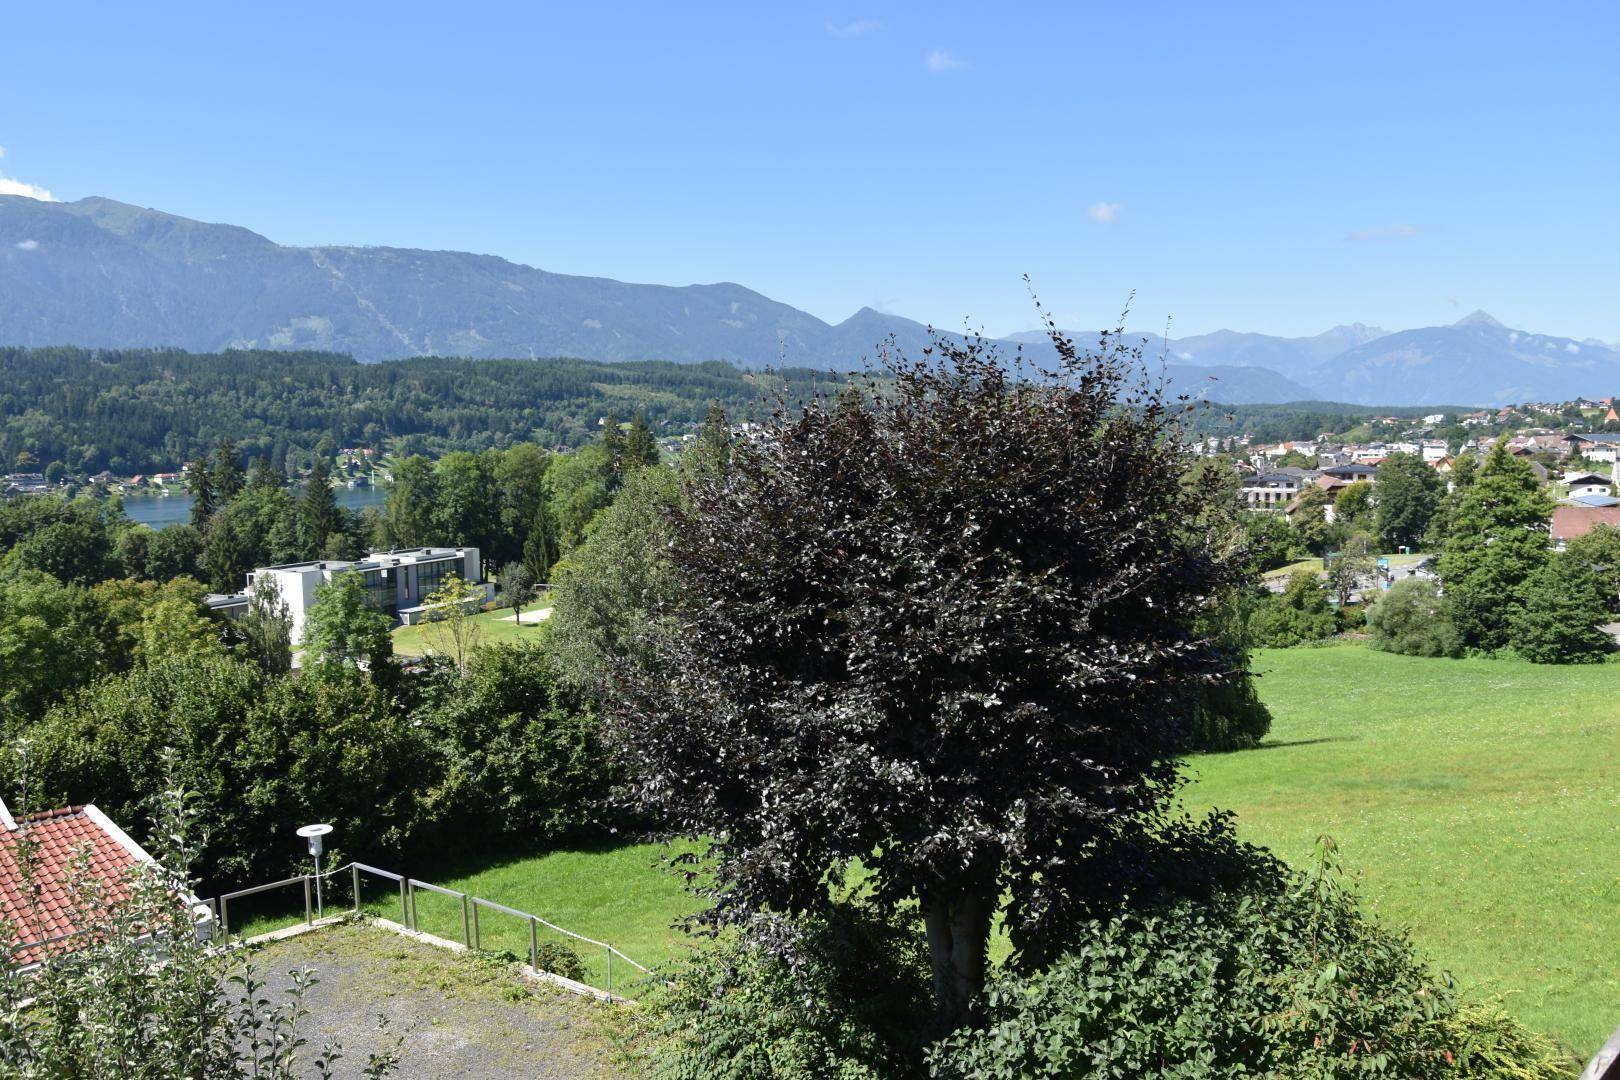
(314, 834)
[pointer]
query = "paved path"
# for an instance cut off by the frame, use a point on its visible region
(465, 1017)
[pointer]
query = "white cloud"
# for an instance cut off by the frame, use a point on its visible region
(2, 151)
(1384, 232)
(944, 60)
(856, 28)
(1104, 213)
(27, 245)
(8, 186)
(1572, 348)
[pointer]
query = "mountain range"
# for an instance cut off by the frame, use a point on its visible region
(102, 273)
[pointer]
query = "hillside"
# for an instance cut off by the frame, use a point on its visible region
(104, 274)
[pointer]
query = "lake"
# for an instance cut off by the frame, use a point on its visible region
(161, 511)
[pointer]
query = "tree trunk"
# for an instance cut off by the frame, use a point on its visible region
(958, 933)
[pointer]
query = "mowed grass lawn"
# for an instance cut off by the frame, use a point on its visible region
(497, 628)
(621, 896)
(1478, 800)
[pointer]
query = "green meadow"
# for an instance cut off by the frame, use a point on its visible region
(1477, 800)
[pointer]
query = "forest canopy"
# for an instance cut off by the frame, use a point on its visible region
(143, 410)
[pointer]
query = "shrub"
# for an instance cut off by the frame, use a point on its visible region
(1228, 716)
(1411, 619)
(845, 995)
(519, 761)
(559, 959)
(1284, 977)
(1564, 601)
(1300, 614)
(264, 754)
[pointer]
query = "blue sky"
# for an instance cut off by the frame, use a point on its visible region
(1256, 166)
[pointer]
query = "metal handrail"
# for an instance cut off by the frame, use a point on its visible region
(226, 898)
(470, 932)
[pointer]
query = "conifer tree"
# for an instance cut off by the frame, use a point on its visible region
(227, 476)
(318, 515)
(715, 438)
(640, 448)
(202, 494)
(1497, 537)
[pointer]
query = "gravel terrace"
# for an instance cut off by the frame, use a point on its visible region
(468, 1017)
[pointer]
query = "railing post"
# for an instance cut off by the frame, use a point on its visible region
(356, 869)
(478, 940)
(466, 927)
(225, 917)
(534, 945)
(412, 888)
(309, 910)
(404, 910)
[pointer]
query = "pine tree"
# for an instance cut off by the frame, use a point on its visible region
(318, 515)
(540, 546)
(263, 476)
(640, 448)
(613, 441)
(715, 439)
(1563, 607)
(202, 494)
(1496, 537)
(228, 476)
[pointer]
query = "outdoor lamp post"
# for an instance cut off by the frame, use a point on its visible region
(314, 834)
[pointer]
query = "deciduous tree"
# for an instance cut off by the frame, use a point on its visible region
(944, 629)
(341, 629)
(1409, 492)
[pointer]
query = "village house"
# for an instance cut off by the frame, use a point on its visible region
(1587, 483)
(40, 906)
(1275, 489)
(1569, 522)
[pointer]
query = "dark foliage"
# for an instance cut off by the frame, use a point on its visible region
(945, 629)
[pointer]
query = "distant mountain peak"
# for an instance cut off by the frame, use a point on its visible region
(1479, 317)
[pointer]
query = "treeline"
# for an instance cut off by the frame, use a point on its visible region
(110, 658)
(1296, 420)
(522, 505)
(143, 410)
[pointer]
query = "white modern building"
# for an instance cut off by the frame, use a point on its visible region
(396, 582)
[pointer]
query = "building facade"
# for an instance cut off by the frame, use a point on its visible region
(396, 583)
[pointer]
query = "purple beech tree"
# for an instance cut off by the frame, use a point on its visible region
(941, 623)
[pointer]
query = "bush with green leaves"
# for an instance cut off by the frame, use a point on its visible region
(1282, 977)
(264, 755)
(1300, 614)
(1411, 619)
(844, 994)
(517, 759)
(1564, 605)
(500, 753)
(1228, 714)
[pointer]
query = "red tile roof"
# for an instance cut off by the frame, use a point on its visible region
(1568, 522)
(60, 836)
